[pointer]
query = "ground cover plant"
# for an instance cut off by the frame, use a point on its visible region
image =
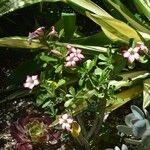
(78, 80)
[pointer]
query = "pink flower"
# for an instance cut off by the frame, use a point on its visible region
(142, 47)
(132, 54)
(31, 82)
(66, 122)
(53, 32)
(74, 55)
(37, 34)
(70, 62)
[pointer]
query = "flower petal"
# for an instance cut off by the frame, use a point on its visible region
(78, 51)
(131, 58)
(34, 77)
(68, 126)
(69, 120)
(73, 50)
(61, 121)
(137, 56)
(63, 126)
(126, 54)
(73, 63)
(31, 86)
(36, 82)
(75, 59)
(29, 79)
(65, 116)
(136, 49)
(68, 64)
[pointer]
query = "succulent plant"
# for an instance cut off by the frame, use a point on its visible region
(32, 131)
(137, 125)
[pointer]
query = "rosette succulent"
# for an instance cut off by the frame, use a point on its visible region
(31, 132)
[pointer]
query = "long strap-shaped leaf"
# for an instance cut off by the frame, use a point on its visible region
(129, 16)
(7, 6)
(21, 42)
(143, 7)
(115, 29)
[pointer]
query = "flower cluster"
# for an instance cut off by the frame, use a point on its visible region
(133, 53)
(31, 82)
(37, 34)
(66, 122)
(74, 55)
(53, 32)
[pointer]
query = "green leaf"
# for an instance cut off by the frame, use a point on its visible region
(46, 104)
(129, 16)
(98, 71)
(124, 97)
(146, 93)
(69, 20)
(61, 82)
(143, 7)
(68, 102)
(12, 5)
(89, 64)
(98, 39)
(20, 42)
(76, 129)
(72, 91)
(83, 5)
(115, 29)
(102, 57)
(48, 58)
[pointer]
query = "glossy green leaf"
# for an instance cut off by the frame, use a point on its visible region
(48, 58)
(146, 93)
(115, 29)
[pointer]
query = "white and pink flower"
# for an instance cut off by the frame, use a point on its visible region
(66, 122)
(132, 54)
(74, 55)
(31, 81)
